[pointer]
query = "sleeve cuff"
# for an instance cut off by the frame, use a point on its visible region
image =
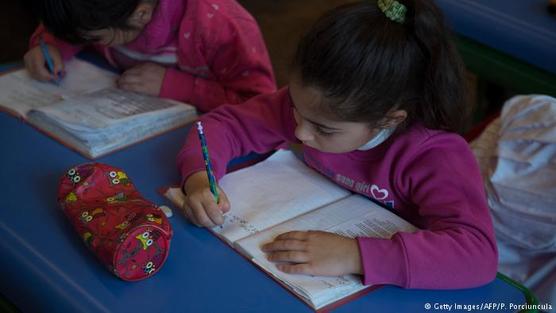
(177, 85)
(384, 261)
(67, 50)
(189, 166)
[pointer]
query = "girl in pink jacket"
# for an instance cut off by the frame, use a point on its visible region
(375, 98)
(198, 51)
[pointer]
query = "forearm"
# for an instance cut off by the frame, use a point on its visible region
(259, 125)
(207, 94)
(457, 258)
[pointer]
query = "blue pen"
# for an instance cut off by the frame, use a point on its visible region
(212, 180)
(48, 60)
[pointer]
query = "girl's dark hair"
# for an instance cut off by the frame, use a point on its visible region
(366, 65)
(70, 19)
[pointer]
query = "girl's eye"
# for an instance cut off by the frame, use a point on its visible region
(322, 132)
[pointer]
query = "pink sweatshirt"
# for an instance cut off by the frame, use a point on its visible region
(428, 177)
(214, 52)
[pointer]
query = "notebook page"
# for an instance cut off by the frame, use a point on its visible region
(104, 108)
(106, 140)
(105, 120)
(20, 93)
(352, 217)
(269, 193)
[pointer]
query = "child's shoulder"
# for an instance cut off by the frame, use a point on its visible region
(419, 139)
(418, 147)
(218, 10)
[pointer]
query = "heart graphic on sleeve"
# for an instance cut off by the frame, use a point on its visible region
(379, 194)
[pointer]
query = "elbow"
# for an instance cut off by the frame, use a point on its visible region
(489, 266)
(484, 266)
(490, 260)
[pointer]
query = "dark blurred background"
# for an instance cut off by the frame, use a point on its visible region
(16, 25)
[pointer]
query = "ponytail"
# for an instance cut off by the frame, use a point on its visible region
(445, 102)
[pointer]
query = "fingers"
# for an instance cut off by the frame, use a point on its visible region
(212, 209)
(187, 212)
(223, 202)
(146, 78)
(202, 210)
(35, 65)
(37, 68)
(287, 248)
(297, 235)
(134, 80)
(291, 252)
(128, 86)
(200, 217)
(130, 80)
(59, 67)
(285, 245)
(302, 268)
(136, 70)
(288, 256)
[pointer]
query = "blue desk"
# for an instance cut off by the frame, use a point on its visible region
(9, 66)
(45, 267)
(510, 42)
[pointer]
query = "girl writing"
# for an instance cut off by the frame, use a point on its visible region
(375, 97)
(202, 52)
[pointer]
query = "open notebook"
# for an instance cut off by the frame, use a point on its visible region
(282, 194)
(87, 112)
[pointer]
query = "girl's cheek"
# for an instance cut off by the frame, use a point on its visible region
(296, 116)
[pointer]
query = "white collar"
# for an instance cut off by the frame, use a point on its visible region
(382, 135)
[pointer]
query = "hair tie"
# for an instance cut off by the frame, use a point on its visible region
(393, 10)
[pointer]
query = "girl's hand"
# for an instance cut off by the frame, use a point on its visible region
(200, 206)
(145, 78)
(314, 253)
(37, 68)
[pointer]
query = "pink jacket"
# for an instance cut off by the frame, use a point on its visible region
(214, 52)
(428, 177)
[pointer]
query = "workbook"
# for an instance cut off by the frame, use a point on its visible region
(87, 112)
(282, 194)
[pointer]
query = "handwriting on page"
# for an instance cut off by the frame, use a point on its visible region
(107, 108)
(369, 226)
(232, 220)
(21, 94)
(334, 282)
(118, 104)
(33, 98)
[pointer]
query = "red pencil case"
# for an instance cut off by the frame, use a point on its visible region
(128, 234)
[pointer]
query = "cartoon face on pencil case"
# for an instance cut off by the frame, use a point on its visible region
(128, 234)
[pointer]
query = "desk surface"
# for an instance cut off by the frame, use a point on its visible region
(521, 28)
(45, 267)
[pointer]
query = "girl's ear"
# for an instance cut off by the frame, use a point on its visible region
(394, 118)
(142, 14)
